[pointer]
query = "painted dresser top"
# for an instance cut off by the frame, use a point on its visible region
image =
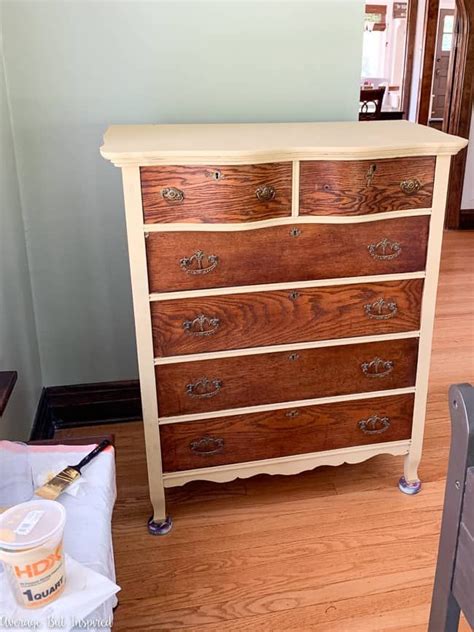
(128, 145)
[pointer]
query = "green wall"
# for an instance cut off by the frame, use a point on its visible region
(75, 67)
(18, 342)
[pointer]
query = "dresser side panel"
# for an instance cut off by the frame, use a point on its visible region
(141, 308)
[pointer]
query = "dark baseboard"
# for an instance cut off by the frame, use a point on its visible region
(466, 219)
(86, 405)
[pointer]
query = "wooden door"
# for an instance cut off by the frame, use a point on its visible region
(440, 72)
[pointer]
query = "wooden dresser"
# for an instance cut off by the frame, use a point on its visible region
(284, 284)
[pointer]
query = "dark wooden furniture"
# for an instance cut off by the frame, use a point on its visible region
(87, 440)
(392, 115)
(371, 103)
(7, 382)
(454, 582)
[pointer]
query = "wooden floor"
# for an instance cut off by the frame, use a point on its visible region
(335, 549)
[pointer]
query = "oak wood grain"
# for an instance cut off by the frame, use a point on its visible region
(283, 432)
(334, 549)
(231, 198)
(276, 254)
(281, 317)
(346, 188)
(283, 376)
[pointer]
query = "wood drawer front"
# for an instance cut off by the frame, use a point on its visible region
(357, 187)
(193, 260)
(207, 194)
(225, 383)
(279, 433)
(236, 321)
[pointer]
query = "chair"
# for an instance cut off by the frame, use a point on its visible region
(371, 100)
(454, 581)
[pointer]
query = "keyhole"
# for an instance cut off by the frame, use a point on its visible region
(293, 356)
(214, 175)
(295, 232)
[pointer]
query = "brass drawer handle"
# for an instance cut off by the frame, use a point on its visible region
(374, 425)
(201, 325)
(195, 264)
(385, 250)
(265, 193)
(377, 368)
(207, 446)
(381, 309)
(410, 186)
(204, 388)
(172, 194)
(370, 174)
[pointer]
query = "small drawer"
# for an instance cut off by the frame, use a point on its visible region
(287, 432)
(258, 319)
(358, 187)
(250, 380)
(304, 252)
(208, 194)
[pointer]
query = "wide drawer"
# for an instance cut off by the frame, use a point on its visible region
(253, 319)
(279, 433)
(357, 187)
(242, 193)
(224, 383)
(193, 260)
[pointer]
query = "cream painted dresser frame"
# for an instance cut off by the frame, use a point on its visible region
(132, 147)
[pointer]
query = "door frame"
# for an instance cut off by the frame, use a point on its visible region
(409, 55)
(459, 96)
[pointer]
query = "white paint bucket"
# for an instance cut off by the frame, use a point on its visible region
(31, 549)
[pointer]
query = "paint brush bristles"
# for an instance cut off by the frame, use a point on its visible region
(54, 487)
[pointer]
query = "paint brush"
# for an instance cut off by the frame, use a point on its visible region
(54, 487)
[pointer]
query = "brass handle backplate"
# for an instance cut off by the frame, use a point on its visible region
(265, 193)
(410, 186)
(203, 388)
(377, 368)
(207, 446)
(201, 325)
(172, 194)
(381, 309)
(374, 425)
(385, 249)
(196, 263)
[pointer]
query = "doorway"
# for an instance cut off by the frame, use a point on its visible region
(387, 59)
(444, 42)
